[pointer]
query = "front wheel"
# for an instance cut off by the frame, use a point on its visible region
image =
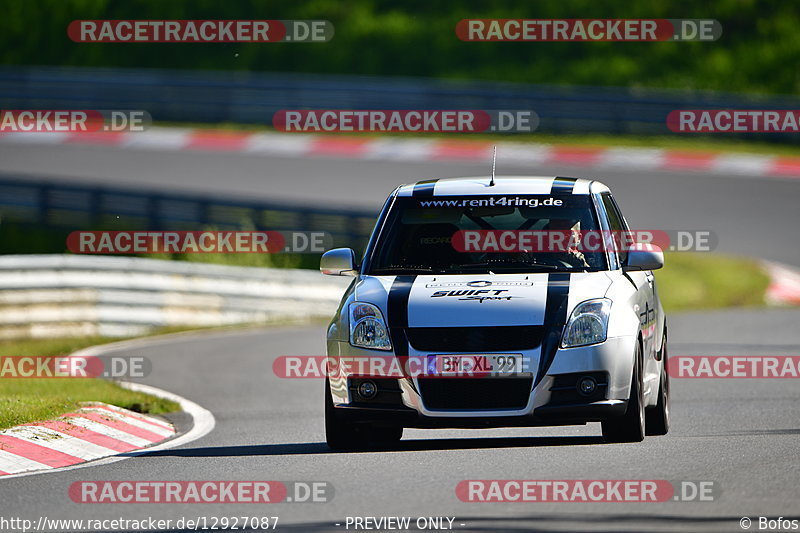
(343, 436)
(338, 434)
(629, 427)
(386, 436)
(657, 418)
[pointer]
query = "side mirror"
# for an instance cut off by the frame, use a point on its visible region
(339, 262)
(644, 257)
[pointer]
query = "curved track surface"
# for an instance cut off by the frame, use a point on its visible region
(741, 434)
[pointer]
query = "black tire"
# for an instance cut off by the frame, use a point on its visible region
(629, 427)
(386, 436)
(343, 436)
(657, 418)
(338, 434)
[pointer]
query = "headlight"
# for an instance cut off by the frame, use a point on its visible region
(588, 323)
(367, 327)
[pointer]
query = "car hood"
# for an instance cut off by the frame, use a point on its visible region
(479, 299)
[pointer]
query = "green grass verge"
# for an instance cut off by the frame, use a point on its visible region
(691, 281)
(30, 400)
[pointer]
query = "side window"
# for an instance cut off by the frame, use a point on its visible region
(617, 224)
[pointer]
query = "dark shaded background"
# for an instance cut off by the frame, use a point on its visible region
(758, 51)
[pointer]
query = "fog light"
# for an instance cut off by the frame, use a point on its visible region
(367, 390)
(587, 386)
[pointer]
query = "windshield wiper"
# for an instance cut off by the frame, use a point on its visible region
(499, 267)
(393, 269)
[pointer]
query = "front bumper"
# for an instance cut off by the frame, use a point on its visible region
(549, 401)
(562, 415)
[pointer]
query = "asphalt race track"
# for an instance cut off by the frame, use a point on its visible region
(742, 434)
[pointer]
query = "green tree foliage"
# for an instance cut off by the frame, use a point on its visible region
(758, 51)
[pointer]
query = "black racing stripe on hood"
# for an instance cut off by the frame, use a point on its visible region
(555, 316)
(563, 185)
(397, 312)
(424, 188)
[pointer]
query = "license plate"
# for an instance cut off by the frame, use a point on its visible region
(474, 364)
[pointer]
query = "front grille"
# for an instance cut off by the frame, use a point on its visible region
(475, 393)
(476, 339)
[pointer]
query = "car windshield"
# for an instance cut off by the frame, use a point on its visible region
(480, 234)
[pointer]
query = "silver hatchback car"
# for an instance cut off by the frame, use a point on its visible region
(517, 305)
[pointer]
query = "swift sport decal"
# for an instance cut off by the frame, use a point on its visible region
(479, 295)
(464, 300)
(481, 299)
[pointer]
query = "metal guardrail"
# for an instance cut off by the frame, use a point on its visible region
(253, 97)
(67, 295)
(65, 206)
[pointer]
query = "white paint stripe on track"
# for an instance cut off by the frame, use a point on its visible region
(157, 139)
(110, 431)
(158, 430)
(14, 464)
(524, 153)
(742, 164)
(39, 137)
(399, 149)
(149, 419)
(276, 144)
(642, 158)
(60, 442)
(204, 421)
(784, 287)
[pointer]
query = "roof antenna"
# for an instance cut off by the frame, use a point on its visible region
(494, 160)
